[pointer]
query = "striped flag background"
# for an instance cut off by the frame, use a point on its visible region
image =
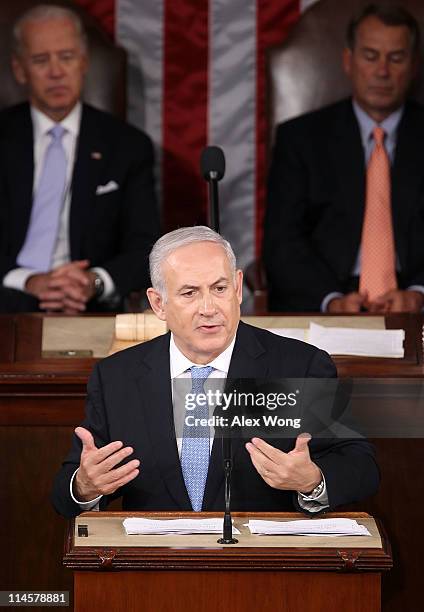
(197, 77)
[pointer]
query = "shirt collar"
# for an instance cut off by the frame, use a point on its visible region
(367, 124)
(42, 123)
(180, 363)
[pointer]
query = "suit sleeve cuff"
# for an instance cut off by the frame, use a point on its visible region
(89, 505)
(17, 278)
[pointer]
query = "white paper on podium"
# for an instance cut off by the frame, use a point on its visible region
(359, 342)
(315, 527)
(142, 526)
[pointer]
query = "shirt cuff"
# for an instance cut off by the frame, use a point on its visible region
(88, 505)
(17, 278)
(314, 503)
(109, 285)
(328, 298)
(418, 288)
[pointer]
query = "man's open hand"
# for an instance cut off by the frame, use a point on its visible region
(97, 474)
(294, 471)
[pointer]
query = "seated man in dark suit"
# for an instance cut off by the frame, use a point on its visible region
(78, 214)
(344, 225)
(132, 414)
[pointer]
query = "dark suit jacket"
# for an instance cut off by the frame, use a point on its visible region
(129, 399)
(114, 230)
(316, 197)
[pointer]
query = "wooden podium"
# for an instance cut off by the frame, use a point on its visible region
(185, 573)
(42, 400)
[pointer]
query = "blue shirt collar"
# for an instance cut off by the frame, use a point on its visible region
(367, 124)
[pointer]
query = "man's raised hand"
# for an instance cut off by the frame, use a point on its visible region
(97, 474)
(291, 471)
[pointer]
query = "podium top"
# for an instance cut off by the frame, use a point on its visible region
(23, 343)
(108, 546)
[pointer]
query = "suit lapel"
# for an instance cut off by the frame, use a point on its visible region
(89, 160)
(249, 360)
(154, 387)
(21, 159)
(406, 177)
(347, 154)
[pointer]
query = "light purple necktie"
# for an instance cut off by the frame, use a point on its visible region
(41, 236)
(195, 444)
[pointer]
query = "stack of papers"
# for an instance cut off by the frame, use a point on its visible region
(141, 526)
(314, 527)
(362, 342)
(350, 341)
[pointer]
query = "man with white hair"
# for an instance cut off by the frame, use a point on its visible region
(128, 444)
(78, 211)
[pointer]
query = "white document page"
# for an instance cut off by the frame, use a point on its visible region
(334, 527)
(360, 342)
(138, 526)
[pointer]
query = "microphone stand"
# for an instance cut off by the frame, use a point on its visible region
(227, 534)
(213, 201)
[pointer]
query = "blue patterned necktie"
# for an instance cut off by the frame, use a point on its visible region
(40, 240)
(195, 443)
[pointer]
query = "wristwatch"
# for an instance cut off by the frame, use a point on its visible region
(315, 492)
(99, 286)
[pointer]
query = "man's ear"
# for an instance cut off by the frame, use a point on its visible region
(156, 302)
(18, 70)
(239, 285)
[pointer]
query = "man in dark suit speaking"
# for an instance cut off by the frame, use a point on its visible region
(78, 213)
(131, 414)
(345, 216)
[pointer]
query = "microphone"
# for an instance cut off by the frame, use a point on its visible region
(212, 168)
(212, 163)
(227, 463)
(227, 532)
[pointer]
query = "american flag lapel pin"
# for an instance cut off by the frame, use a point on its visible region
(96, 155)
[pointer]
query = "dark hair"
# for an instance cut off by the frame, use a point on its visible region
(388, 13)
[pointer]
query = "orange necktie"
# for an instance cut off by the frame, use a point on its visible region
(378, 273)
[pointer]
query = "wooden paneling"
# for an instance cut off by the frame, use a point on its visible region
(31, 531)
(216, 591)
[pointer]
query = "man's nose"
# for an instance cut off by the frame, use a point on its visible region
(55, 67)
(383, 67)
(207, 304)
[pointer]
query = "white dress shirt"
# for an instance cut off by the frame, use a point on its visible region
(180, 369)
(17, 278)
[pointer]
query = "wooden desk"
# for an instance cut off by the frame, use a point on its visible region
(271, 574)
(42, 400)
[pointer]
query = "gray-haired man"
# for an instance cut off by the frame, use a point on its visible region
(197, 290)
(78, 211)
